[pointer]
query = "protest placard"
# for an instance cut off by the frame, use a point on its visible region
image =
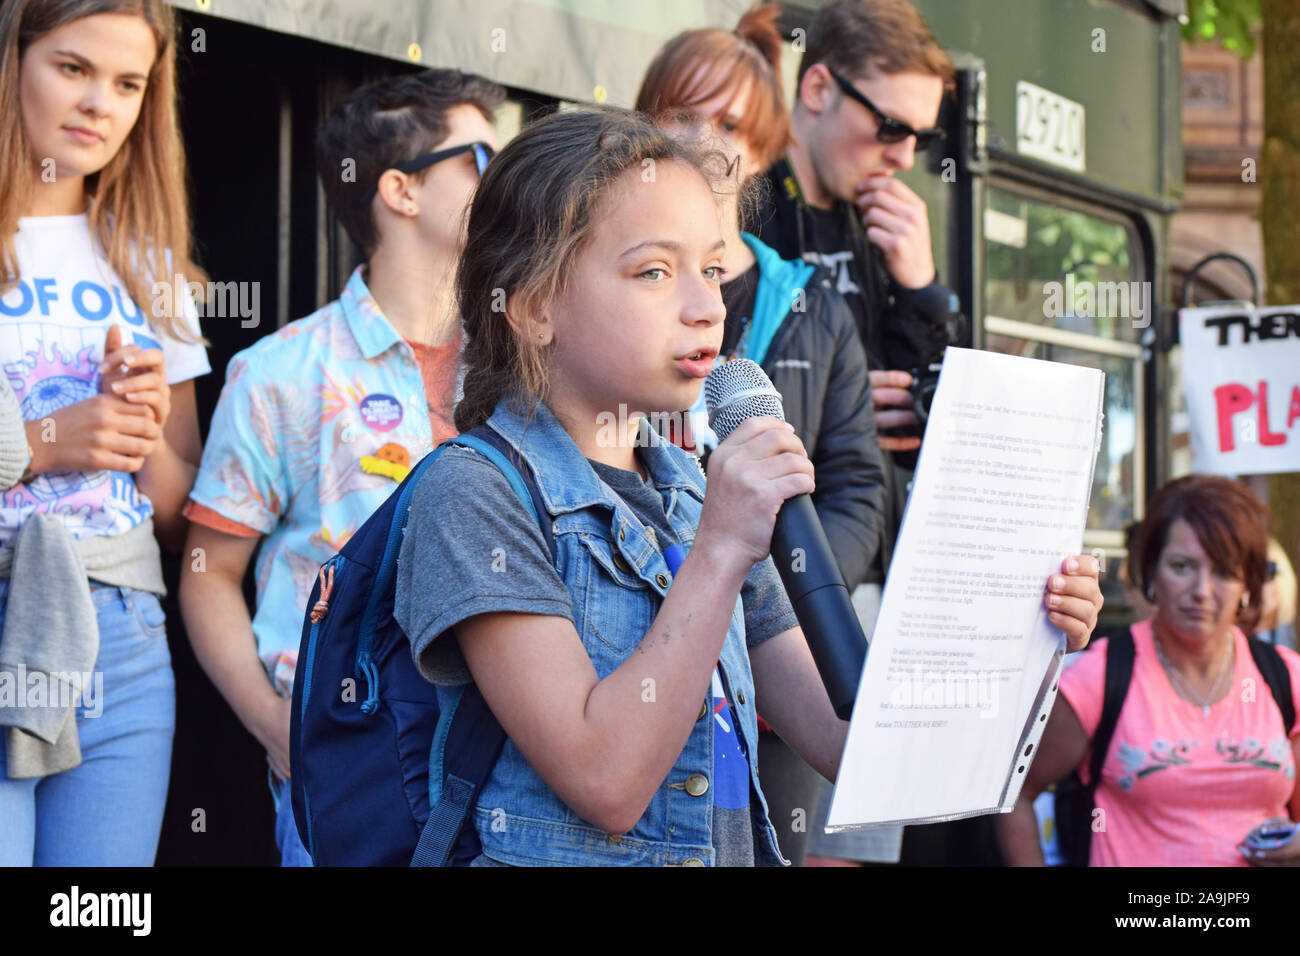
(1241, 373)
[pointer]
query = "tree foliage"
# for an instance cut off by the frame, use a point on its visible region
(1231, 22)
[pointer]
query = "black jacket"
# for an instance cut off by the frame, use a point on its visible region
(816, 361)
(898, 328)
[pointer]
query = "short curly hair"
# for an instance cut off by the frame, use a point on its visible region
(385, 123)
(1231, 524)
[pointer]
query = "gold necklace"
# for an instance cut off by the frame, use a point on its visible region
(1183, 690)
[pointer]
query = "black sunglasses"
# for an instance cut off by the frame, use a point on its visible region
(483, 154)
(891, 130)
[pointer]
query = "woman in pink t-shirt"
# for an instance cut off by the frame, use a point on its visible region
(1200, 757)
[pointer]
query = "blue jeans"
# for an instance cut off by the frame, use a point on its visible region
(292, 852)
(108, 810)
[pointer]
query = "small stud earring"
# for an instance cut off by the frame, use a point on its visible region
(1151, 594)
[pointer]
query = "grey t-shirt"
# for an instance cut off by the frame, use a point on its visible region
(468, 526)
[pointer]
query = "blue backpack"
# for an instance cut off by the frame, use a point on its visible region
(373, 745)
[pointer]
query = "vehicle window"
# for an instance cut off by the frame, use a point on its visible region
(1065, 285)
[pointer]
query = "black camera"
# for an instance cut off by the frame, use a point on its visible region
(924, 383)
(932, 321)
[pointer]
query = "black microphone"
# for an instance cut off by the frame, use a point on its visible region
(733, 392)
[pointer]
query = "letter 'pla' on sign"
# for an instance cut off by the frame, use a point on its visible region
(1266, 435)
(1229, 400)
(1235, 361)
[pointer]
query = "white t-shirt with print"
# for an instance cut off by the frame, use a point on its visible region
(52, 330)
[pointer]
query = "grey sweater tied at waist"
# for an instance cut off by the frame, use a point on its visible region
(51, 634)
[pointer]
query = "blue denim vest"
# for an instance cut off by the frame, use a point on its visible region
(519, 819)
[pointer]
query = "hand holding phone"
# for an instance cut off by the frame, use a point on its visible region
(1271, 834)
(1271, 843)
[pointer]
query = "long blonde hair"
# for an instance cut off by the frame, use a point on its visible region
(141, 211)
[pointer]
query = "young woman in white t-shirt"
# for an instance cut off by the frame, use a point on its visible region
(100, 347)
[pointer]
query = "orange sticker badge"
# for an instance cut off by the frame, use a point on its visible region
(391, 460)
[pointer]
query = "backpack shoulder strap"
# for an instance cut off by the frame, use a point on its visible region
(488, 442)
(470, 749)
(1275, 674)
(386, 574)
(492, 446)
(1119, 672)
(473, 738)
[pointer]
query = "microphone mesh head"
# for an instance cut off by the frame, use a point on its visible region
(737, 390)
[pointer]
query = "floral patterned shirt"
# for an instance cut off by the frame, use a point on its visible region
(315, 427)
(1178, 788)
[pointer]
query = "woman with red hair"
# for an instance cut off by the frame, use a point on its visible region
(1200, 763)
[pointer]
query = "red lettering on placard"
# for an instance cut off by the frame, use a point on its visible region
(1267, 437)
(1230, 400)
(1294, 412)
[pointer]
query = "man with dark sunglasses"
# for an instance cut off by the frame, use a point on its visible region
(319, 421)
(482, 154)
(889, 129)
(870, 86)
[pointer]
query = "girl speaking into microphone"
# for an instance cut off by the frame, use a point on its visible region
(626, 683)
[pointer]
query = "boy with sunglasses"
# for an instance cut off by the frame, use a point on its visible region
(870, 85)
(320, 421)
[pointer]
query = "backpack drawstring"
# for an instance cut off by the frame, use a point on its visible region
(326, 586)
(368, 669)
(371, 703)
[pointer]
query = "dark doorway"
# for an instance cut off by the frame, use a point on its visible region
(250, 104)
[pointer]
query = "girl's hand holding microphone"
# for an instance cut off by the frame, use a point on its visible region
(750, 475)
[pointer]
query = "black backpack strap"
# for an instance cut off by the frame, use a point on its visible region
(1275, 674)
(474, 737)
(1119, 672)
(473, 744)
